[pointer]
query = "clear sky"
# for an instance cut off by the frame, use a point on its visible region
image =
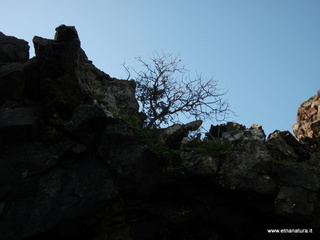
(266, 52)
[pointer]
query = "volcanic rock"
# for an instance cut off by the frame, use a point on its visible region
(75, 162)
(307, 128)
(13, 49)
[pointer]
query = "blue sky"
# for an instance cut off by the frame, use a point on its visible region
(265, 52)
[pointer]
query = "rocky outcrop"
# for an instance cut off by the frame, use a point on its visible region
(53, 116)
(241, 159)
(13, 49)
(13, 53)
(76, 164)
(307, 128)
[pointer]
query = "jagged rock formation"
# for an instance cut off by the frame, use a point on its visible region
(75, 163)
(53, 117)
(13, 52)
(307, 128)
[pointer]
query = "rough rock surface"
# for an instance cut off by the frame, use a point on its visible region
(73, 167)
(278, 167)
(13, 49)
(53, 115)
(13, 53)
(307, 128)
(174, 134)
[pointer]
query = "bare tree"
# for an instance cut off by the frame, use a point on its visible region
(164, 92)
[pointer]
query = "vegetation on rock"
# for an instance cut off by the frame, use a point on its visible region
(214, 148)
(165, 92)
(77, 163)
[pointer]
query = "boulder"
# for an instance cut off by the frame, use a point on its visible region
(65, 33)
(174, 134)
(13, 49)
(285, 147)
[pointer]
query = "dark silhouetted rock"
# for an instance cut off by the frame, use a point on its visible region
(296, 176)
(216, 131)
(52, 119)
(138, 170)
(19, 124)
(65, 33)
(13, 53)
(32, 80)
(74, 163)
(13, 49)
(12, 82)
(285, 147)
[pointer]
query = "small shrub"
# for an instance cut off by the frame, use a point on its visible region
(150, 137)
(213, 148)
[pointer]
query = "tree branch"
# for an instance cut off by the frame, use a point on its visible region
(163, 95)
